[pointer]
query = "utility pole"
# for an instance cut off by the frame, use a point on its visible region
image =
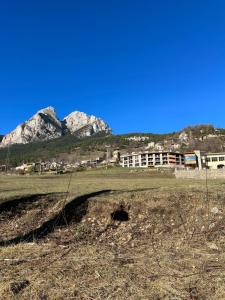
(77, 155)
(108, 148)
(7, 159)
(40, 169)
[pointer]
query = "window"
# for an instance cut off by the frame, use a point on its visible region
(208, 159)
(221, 158)
(214, 158)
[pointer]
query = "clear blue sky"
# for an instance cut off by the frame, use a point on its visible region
(143, 66)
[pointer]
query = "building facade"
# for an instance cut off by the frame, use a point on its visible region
(215, 160)
(200, 160)
(190, 160)
(152, 159)
(194, 160)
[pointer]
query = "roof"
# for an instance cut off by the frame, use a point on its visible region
(149, 152)
(219, 153)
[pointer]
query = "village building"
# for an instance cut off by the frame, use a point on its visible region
(200, 160)
(152, 159)
(215, 160)
(138, 138)
(195, 160)
(3, 168)
(150, 145)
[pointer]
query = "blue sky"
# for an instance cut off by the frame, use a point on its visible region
(143, 66)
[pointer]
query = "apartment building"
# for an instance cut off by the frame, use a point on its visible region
(215, 160)
(152, 159)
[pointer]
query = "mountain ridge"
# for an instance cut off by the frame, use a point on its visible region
(45, 125)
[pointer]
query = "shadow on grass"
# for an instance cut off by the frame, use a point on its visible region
(73, 212)
(12, 204)
(137, 190)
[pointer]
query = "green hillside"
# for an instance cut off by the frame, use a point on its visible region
(68, 144)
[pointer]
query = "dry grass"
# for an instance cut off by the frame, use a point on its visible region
(85, 182)
(172, 247)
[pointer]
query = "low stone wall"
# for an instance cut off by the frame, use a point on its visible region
(200, 174)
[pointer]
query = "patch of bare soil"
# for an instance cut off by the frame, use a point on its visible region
(122, 245)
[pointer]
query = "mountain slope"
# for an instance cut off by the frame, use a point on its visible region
(77, 120)
(45, 125)
(68, 146)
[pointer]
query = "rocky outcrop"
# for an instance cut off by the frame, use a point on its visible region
(183, 136)
(78, 120)
(45, 125)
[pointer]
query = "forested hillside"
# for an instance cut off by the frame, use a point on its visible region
(68, 144)
(201, 137)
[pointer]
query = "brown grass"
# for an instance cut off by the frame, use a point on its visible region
(172, 247)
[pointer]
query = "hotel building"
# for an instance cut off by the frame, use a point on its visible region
(152, 159)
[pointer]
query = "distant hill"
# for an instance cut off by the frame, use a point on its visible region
(67, 147)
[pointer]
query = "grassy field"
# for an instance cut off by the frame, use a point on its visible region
(85, 182)
(170, 245)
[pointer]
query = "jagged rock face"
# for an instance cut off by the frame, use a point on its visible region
(45, 125)
(78, 120)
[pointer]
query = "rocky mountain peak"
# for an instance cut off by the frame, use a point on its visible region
(48, 110)
(45, 125)
(51, 115)
(76, 120)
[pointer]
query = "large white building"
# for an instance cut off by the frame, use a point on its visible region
(215, 160)
(201, 160)
(152, 159)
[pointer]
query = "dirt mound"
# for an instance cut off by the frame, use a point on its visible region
(122, 245)
(21, 215)
(31, 218)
